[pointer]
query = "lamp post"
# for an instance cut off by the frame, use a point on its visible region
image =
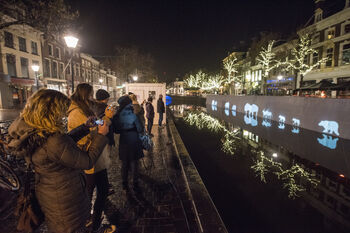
(71, 42)
(135, 78)
(35, 68)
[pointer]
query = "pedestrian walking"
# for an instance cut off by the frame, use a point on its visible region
(38, 134)
(149, 115)
(160, 109)
(130, 146)
(138, 109)
(79, 111)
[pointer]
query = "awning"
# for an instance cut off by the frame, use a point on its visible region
(22, 81)
(342, 86)
(323, 85)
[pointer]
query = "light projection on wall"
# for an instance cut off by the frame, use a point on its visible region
(214, 105)
(234, 110)
(267, 118)
(227, 108)
(328, 141)
(251, 114)
(296, 125)
(330, 127)
(281, 122)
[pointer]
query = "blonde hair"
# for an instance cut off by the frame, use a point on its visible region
(45, 110)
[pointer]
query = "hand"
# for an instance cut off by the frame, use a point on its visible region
(109, 112)
(103, 129)
(90, 122)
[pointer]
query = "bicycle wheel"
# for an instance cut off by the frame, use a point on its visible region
(8, 178)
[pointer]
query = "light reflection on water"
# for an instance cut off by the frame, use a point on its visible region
(311, 165)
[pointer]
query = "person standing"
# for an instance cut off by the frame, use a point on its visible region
(138, 109)
(79, 111)
(149, 115)
(130, 146)
(160, 109)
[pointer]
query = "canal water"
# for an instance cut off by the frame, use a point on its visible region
(264, 176)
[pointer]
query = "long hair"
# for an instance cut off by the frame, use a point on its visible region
(45, 110)
(81, 98)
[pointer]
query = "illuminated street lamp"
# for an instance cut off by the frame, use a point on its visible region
(71, 42)
(35, 68)
(101, 81)
(135, 78)
(279, 77)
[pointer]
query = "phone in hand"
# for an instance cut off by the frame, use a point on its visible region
(99, 122)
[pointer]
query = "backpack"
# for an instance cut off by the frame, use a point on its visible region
(146, 141)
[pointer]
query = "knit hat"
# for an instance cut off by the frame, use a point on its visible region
(124, 100)
(102, 94)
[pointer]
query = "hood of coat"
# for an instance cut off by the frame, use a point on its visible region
(19, 131)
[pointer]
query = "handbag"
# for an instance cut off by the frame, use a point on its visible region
(28, 209)
(146, 141)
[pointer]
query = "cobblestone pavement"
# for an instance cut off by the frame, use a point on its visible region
(162, 205)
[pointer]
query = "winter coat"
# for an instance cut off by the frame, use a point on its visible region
(160, 106)
(139, 112)
(77, 117)
(99, 110)
(59, 178)
(149, 110)
(130, 128)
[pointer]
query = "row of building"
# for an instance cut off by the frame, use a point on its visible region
(22, 46)
(330, 34)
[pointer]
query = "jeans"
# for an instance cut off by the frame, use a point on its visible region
(160, 119)
(149, 125)
(100, 181)
(133, 166)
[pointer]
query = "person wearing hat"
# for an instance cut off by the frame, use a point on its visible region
(130, 146)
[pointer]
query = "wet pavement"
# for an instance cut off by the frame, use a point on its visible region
(163, 204)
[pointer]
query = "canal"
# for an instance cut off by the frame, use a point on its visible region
(268, 177)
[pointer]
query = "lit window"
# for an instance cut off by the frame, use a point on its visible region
(331, 33)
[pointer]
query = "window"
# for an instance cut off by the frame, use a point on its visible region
(22, 44)
(35, 62)
(11, 64)
(316, 38)
(331, 33)
(314, 58)
(9, 40)
(60, 74)
(346, 54)
(330, 57)
(306, 59)
(54, 69)
(47, 72)
(50, 50)
(57, 52)
(83, 73)
(68, 69)
(34, 46)
(24, 67)
(347, 28)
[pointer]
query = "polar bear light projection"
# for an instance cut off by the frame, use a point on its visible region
(328, 141)
(214, 105)
(281, 121)
(267, 117)
(234, 110)
(296, 125)
(330, 127)
(251, 114)
(227, 108)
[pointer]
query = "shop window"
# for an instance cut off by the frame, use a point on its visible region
(47, 72)
(11, 65)
(347, 29)
(24, 67)
(9, 40)
(34, 46)
(60, 74)
(22, 44)
(50, 50)
(346, 54)
(54, 69)
(330, 57)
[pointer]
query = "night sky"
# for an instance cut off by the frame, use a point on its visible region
(185, 35)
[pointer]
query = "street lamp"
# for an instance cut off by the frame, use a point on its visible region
(135, 78)
(35, 68)
(279, 77)
(101, 81)
(71, 42)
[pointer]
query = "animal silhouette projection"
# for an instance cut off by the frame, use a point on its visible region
(214, 105)
(330, 127)
(328, 141)
(234, 110)
(251, 114)
(282, 121)
(227, 108)
(296, 125)
(267, 117)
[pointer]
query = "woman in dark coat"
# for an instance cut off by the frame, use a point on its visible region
(38, 134)
(130, 146)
